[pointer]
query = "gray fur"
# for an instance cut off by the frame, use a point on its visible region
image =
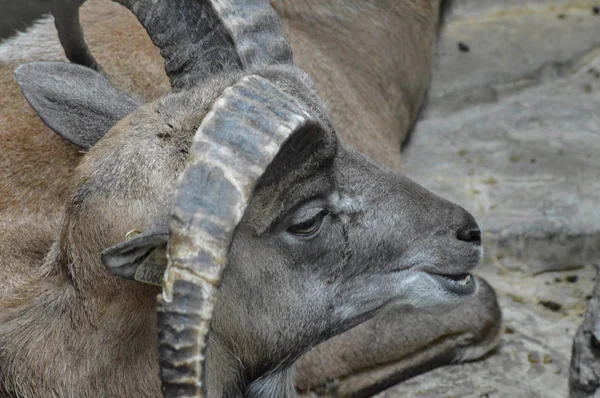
(381, 237)
(278, 384)
(76, 102)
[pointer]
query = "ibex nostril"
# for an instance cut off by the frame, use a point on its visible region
(470, 235)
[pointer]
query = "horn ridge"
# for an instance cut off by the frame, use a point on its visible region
(192, 40)
(255, 28)
(190, 37)
(210, 201)
(196, 38)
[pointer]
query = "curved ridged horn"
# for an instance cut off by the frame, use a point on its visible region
(237, 140)
(196, 38)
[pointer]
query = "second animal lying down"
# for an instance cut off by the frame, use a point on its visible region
(328, 240)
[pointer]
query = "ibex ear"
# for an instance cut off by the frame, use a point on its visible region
(76, 102)
(142, 257)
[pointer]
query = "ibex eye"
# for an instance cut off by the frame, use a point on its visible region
(309, 226)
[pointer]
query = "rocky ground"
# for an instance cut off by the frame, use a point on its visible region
(512, 132)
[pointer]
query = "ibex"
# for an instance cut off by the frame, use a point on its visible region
(244, 161)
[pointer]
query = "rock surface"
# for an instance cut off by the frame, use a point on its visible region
(512, 133)
(584, 374)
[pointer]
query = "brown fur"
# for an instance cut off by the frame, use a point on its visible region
(371, 62)
(30, 180)
(57, 290)
(36, 180)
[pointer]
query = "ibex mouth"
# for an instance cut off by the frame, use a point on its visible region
(461, 279)
(460, 284)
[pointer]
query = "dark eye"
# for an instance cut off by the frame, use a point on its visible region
(310, 226)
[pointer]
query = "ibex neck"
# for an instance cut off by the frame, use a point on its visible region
(229, 376)
(277, 384)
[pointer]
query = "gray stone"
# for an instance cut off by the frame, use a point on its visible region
(510, 47)
(461, 8)
(527, 166)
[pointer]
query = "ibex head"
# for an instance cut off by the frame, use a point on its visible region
(316, 237)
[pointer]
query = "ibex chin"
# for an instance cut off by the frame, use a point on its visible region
(239, 165)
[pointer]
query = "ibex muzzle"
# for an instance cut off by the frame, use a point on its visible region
(318, 255)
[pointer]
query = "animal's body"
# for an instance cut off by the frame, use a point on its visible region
(70, 328)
